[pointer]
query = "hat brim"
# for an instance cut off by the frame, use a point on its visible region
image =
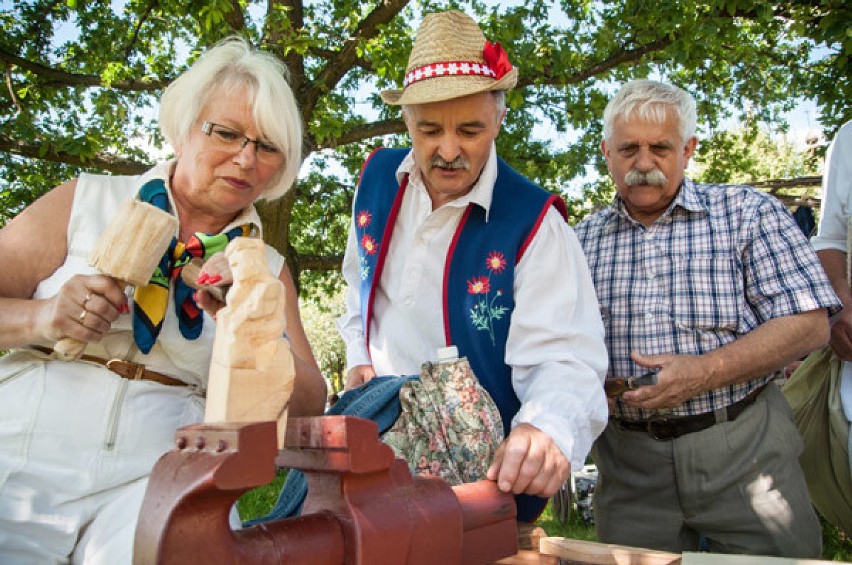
(443, 88)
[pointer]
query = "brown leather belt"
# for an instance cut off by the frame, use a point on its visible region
(125, 369)
(670, 427)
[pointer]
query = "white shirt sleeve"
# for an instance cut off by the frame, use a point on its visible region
(836, 193)
(556, 342)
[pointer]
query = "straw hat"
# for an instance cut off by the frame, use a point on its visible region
(451, 59)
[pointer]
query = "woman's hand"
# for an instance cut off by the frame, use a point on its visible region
(84, 309)
(212, 282)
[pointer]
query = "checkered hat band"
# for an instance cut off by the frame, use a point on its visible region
(456, 68)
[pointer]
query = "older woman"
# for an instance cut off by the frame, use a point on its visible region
(78, 439)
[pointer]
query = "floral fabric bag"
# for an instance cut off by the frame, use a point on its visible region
(449, 426)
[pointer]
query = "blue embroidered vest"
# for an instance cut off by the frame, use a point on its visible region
(479, 269)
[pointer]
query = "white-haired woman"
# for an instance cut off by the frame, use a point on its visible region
(78, 439)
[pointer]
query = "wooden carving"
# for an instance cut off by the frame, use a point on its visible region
(251, 371)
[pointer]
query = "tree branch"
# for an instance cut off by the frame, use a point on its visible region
(558, 77)
(110, 163)
(319, 262)
(345, 58)
(329, 54)
(139, 23)
(58, 77)
(772, 186)
(11, 88)
(365, 131)
(234, 18)
(294, 61)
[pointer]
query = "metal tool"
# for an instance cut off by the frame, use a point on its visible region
(618, 386)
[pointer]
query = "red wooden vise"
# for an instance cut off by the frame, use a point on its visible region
(363, 505)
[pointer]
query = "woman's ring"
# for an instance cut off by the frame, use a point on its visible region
(82, 315)
(86, 301)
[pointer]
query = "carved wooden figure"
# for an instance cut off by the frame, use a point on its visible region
(251, 371)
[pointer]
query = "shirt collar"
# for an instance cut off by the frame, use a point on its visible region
(688, 198)
(480, 194)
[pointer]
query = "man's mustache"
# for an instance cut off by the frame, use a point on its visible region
(457, 163)
(654, 177)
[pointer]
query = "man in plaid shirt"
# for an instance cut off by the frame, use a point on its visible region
(715, 289)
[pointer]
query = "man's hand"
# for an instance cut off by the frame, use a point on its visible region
(680, 378)
(359, 375)
(841, 334)
(529, 462)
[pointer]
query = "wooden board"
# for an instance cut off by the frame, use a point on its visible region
(528, 557)
(594, 553)
(690, 558)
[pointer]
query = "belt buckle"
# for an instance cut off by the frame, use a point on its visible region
(660, 428)
(137, 370)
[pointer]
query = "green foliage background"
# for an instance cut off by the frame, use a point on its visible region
(82, 79)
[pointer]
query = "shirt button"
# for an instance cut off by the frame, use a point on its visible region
(648, 315)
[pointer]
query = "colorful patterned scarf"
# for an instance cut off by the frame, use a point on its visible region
(150, 301)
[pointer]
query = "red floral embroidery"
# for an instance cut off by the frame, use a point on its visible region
(487, 308)
(363, 219)
(478, 285)
(497, 58)
(369, 245)
(496, 262)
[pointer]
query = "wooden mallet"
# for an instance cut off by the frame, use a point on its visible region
(128, 251)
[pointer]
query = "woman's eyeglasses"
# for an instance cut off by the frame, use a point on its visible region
(228, 139)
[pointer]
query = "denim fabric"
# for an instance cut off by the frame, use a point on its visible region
(376, 400)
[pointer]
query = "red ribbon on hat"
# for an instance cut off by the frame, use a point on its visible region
(452, 68)
(497, 58)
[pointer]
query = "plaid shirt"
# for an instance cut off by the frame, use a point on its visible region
(721, 261)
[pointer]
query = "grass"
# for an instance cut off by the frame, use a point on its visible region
(836, 545)
(573, 528)
(257, 502)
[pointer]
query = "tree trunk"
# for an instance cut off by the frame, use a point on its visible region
(275, 216)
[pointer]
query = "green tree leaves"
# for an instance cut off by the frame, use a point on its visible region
(81, 82)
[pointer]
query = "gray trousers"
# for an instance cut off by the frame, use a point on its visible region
(739, 484)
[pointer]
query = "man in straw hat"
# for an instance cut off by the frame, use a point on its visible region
(450, 246)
